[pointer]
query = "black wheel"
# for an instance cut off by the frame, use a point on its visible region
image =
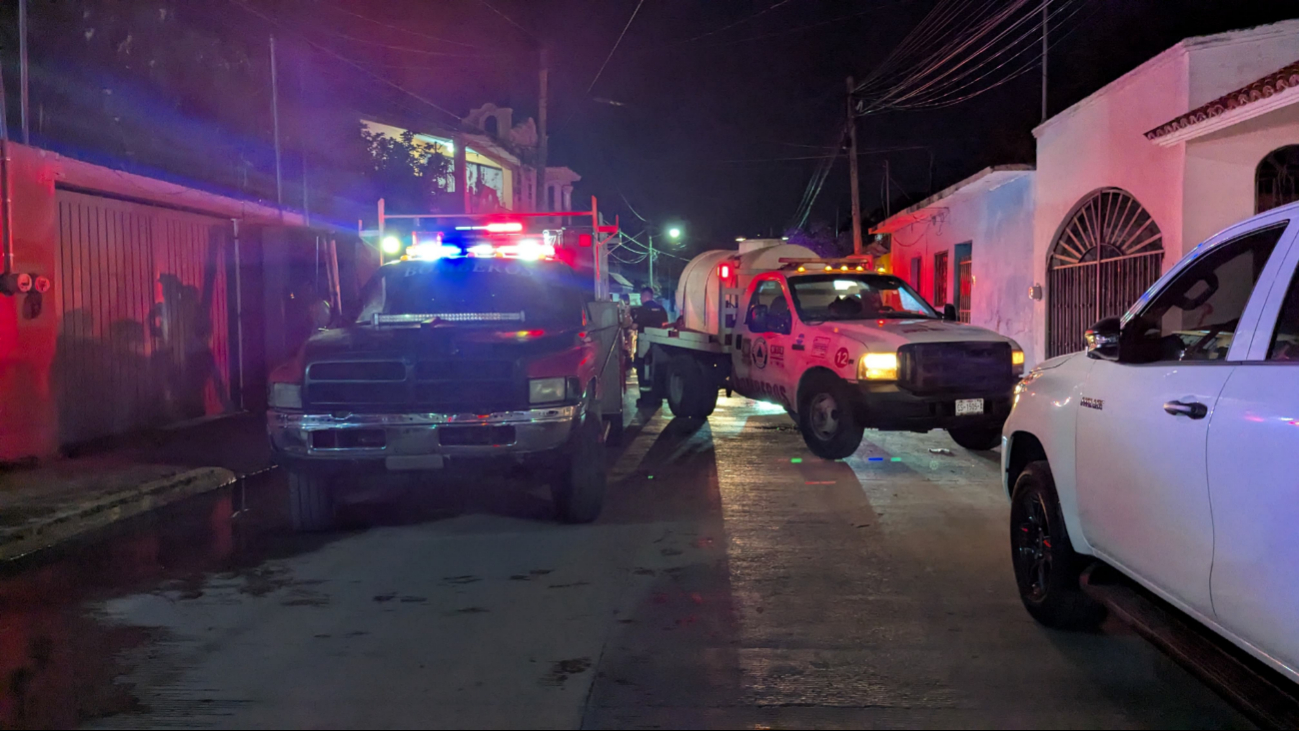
(977, 438)
(691, 393)
(579, 490)
(613, 437)
(311, 502)
(828, 420)
(1046, 567)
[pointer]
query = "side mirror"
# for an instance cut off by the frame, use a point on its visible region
(1103, 339)
(949, 312)
(757, 319)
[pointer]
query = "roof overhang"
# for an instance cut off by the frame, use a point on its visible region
(1272, 92)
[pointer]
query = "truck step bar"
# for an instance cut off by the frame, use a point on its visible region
(1267, 698)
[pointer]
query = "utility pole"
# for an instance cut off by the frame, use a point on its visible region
(1045, 47)
(651, 260)
(275, 121)
(888, 191)
(542, 142)
(852, 172)
(22, 67)
(302, 140)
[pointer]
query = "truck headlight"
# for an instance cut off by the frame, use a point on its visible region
(878, 367)
(547, 390)
(285, 396)
(1017, 361)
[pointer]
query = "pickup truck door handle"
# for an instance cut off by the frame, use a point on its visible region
(797, 346)
(1194, 410)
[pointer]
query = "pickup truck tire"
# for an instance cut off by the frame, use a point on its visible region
(1047, 570)
(311, 502)
(827, 419)
(691, 393)
(578, 491)
(976, 438)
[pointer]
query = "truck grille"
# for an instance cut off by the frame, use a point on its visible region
(954, 367)
(432, 386)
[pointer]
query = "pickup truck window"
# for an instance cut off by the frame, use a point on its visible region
(824, 297)
(541, 291)
(1285, 341)
(769, 311)
(1196, 316)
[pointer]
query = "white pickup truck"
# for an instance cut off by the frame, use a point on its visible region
(1169, 450)
(842, 346)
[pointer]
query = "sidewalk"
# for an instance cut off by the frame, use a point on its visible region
(43, 505)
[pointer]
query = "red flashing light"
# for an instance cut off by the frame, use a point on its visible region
(585, 240)
(726, 272)
(504, 227)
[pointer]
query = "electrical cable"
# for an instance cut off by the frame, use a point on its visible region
(615, 46)
(348, 61)
(741, 21)
(398, 28)
(508, 19)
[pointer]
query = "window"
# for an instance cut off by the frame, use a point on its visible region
(1285, 341)
(824, 297)
(1195, 317)
(916, 264)
(1276, 181)
(964, 281)
(769, 310)
(940, 279)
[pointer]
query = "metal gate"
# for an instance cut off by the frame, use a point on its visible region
(964, 288)
(144, 338)
(1106, 256)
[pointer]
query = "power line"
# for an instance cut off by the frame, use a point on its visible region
(405, 49)
(615, 46)
(399, 28)
(348, 61)
(507, 18)
(728, 26)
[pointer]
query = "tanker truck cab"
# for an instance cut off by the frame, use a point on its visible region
(845, 349)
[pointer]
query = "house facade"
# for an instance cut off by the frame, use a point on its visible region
(1127, 181)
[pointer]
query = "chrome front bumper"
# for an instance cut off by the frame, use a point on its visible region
(414, 441)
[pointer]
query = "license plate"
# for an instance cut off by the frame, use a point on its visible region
(969, 406)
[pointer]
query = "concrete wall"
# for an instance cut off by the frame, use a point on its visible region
(1225, 62)
(995, 216)
(1221, 169)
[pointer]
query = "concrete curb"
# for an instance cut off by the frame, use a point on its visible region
(108, 508)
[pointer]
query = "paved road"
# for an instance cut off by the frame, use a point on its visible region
(734, 581)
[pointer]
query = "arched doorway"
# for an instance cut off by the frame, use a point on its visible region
(1108, 252)
(1276, 181)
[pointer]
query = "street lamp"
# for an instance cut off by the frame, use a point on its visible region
(674, 233)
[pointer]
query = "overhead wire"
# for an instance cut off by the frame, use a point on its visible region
(398, 28)
(508, 19)
(615, 46)
(329, 51)
(728, 26)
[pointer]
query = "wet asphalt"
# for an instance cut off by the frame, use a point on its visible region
(733, 581)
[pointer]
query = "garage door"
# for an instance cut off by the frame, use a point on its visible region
(144, 335)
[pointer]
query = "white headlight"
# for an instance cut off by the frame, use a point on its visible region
(546, 390)
(285, 396)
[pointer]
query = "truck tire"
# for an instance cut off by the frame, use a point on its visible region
(691, 393)
(578, 491)
(311, 502)
(830, 425)
(1047, 570)
(976, 438)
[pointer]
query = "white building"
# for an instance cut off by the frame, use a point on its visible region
(1127, 181)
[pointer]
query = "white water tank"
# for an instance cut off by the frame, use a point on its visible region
(699, 293)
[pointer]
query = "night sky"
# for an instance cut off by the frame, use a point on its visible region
(706, 114)
(720, 98)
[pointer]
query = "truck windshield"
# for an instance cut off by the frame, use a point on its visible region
(821, 297)
(475, 292)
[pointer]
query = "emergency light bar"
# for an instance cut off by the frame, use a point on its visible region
(419, 318)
